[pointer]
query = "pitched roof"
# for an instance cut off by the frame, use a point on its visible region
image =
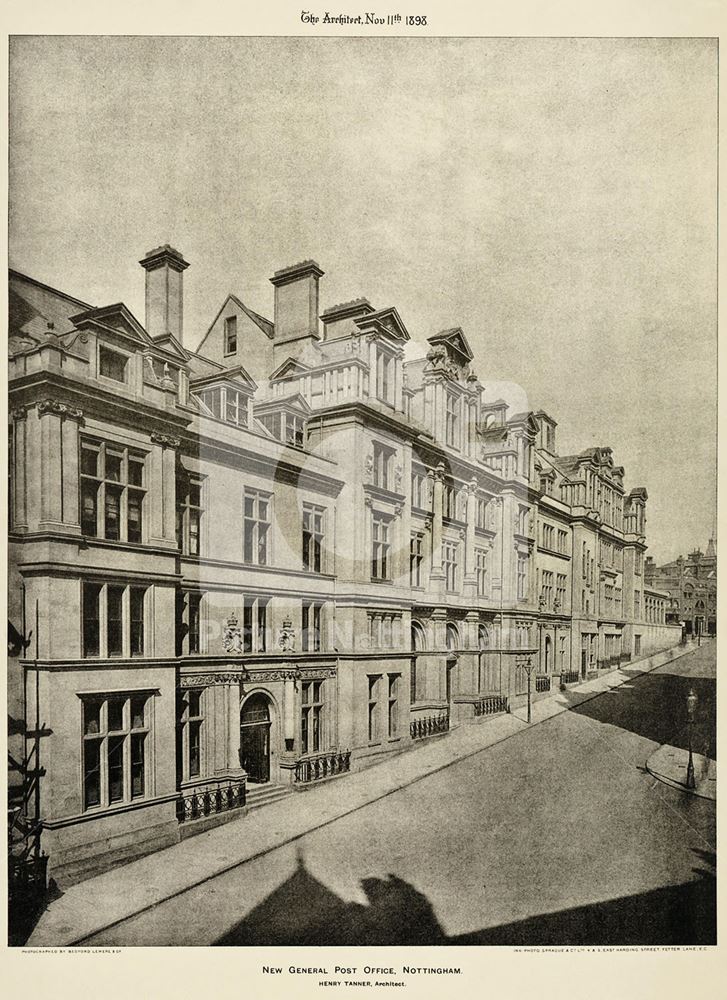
(267, 327)
(456, 339)
(38, 312)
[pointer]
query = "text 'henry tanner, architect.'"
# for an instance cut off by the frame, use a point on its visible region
(241, 569)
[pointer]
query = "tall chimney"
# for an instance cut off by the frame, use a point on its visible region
(296, 305)
(164, 299)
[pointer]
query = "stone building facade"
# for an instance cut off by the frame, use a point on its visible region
(284, 555)
(691, 586)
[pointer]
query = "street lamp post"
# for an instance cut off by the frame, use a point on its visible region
(691, 706)
(526, 662)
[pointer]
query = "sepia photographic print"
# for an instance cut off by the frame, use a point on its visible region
(362, 539)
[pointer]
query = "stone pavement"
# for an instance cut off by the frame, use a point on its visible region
(108, 899)
(669, 764)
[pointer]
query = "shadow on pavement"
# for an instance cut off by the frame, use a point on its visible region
(25, 912)
(303, 911)
(654, 706)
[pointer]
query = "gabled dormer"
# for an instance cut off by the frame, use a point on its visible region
(386, 323)
(225, 395)
(115, 338)
(285, 418)
(289, 369)
(450, 355)
(172, 347)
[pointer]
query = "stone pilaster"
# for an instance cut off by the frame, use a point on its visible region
(372, 367)
(58, 465)
(162, 494)
(470, 574)
(436, 575)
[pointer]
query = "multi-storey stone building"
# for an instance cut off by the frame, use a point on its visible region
(691, 588)
(286, 554)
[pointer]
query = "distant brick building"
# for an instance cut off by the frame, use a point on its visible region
(691, 584)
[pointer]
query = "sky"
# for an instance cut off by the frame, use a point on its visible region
(556, 198)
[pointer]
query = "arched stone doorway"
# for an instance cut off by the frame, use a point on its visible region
(255, 724)
(548, 655)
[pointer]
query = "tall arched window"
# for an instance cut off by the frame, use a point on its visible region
(418, 638)
(452, 637)
(483, 637)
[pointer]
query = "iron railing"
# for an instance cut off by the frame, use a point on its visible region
(419, 729)
(491, 704)
(208, 801)
(542, 683)
(322, 765)
(570, 677)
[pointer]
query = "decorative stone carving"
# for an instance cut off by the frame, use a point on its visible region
(60, 409)
(151, 373)
(167, 380)
(286, 637)
(440, 362)
(398, 474)
(316, 673)
(165, 440)
(262, 676)
(19, 413)
(232, 638)
(205, 680)
(369, 466)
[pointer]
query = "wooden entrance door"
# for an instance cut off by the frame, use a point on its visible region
(255, 738)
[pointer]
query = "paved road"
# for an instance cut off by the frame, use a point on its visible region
(557, 835)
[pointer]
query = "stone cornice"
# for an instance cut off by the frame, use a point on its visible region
(97, 402)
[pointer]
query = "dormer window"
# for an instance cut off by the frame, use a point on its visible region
(112, 364)
(294, 430)
(546, 483)
(235, 408)
(285, 426)
(226, 403)
(230, 335)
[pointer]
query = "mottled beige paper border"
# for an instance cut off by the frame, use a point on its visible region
(487, 973)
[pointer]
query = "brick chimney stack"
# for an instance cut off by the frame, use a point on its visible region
(296, 307)
(164, 292)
